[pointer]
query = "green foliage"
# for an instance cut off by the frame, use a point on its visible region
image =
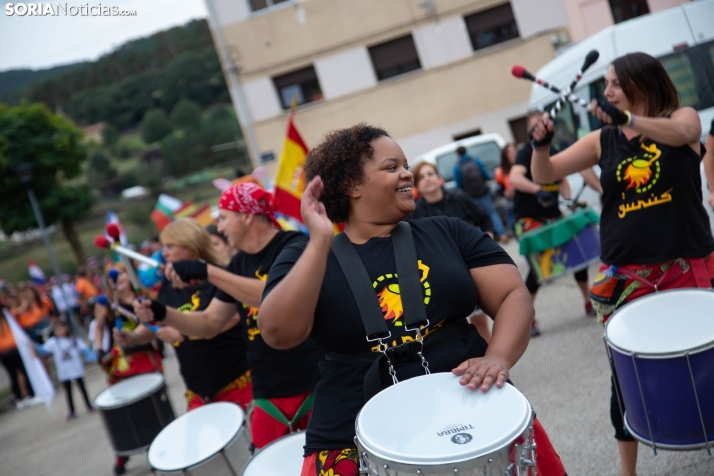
(127, 146)
(52, 145)
(186, 114)
(110, 134)
(138, 214)
(189, 150)
(155, 126)
(134, 57)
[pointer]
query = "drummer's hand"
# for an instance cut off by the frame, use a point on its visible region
(314, 214)
(483, 371)
(143, 310)
(171, 275)
(169, 335)
(124, 338)
(542, 133)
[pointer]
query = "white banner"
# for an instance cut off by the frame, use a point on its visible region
(36, 373)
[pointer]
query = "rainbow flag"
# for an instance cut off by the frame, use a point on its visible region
(289, 177)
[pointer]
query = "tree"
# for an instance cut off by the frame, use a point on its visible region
(110, 134)
(101, 173)
(186, 114)
(155, 126)
(51, 145)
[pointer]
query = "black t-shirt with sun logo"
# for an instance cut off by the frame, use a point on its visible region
(652, 207)
(207, 365)
(275, 373)
(446, 249)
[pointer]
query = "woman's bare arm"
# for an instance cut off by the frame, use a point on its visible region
(504, 296)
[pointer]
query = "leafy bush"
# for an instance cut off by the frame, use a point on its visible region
(154, 126)
(110, 134)
(186, 114)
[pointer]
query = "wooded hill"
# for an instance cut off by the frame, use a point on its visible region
(143, 74)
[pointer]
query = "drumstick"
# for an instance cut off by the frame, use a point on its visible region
(520, 72)
(590, 58)
(102, 242)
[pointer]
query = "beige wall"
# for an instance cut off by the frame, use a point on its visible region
(657, 5)
(276, 42)
(420, 102)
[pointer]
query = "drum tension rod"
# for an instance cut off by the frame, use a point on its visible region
(699, 408)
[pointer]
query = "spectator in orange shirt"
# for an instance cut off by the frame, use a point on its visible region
(11, 360)
(86, 293)
(32, 313)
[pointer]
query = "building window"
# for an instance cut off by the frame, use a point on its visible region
(302, 85)
(257, 5)
(492, 26)
(394, 57)
(623, 10)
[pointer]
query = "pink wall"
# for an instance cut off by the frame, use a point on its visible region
(657, 5)
(587, 17)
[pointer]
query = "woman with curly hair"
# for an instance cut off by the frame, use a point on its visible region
(360, 177)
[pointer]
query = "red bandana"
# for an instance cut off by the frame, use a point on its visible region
(247, 197)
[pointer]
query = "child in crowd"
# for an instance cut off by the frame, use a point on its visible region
(66, 350)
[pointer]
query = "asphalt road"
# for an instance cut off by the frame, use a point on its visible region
(564, 373)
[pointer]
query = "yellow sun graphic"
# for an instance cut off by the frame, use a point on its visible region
(638, 173)
(391, 303)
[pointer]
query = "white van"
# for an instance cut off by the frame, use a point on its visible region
(486, 147)
(682, 38)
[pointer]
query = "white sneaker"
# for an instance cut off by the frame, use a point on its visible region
(31, 401)
(20, 404)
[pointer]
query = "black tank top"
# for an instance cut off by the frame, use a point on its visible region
(652, 207)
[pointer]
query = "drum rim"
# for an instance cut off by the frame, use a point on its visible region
(664, 446)
(239, 432)
(657, 355)
(523, 427)
(291, 435)
(152, 391)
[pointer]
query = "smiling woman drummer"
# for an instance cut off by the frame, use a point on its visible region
(359, 176)
(654, 230)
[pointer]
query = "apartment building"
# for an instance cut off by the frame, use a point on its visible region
(428, 71)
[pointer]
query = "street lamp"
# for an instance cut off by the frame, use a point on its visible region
(24, 173)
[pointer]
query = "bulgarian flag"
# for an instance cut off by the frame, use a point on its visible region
(163, 213)
(289, 177)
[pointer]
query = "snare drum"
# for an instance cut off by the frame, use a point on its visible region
(282, 457)
(134, 411)
(563, 246)
(662, 348)
(431, 425)
(210, 440)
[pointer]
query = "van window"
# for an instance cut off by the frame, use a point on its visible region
(488, 152)
(692, 71)
(566, 126)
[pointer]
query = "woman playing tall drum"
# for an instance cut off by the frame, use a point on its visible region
(655, 232)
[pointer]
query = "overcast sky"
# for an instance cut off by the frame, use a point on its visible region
(42, 41)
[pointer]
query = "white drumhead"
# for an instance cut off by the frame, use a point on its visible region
(282, 457)
(663, 323)
(195, 436)
(433, 420)
(129, 391)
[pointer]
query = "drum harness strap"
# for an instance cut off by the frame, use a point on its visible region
(269, 407)
(411, 293)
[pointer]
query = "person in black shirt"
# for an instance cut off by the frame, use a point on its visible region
(535, 205)
(360, 176)
(214, 370)
(653, 218)
(283, 381)
(435, 200)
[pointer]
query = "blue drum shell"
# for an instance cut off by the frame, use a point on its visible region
(669, 396)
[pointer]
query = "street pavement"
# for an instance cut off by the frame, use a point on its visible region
(564, 373)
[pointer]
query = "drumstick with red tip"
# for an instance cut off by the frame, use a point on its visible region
(520, 72)
(103, 242)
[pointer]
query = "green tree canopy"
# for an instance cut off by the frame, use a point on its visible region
(110, 134)
(186, 114)
(155, 126)
(30, 134)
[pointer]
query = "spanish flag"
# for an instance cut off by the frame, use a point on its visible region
(290, 178)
